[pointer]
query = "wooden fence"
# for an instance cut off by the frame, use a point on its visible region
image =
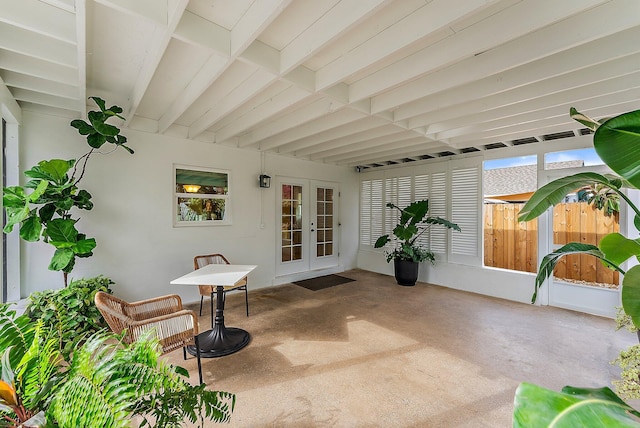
(513, 245)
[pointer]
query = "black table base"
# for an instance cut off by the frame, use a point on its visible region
(220, 340)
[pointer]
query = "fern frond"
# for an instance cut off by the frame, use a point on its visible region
(17, 332)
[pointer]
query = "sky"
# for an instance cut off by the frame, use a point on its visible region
(588, 155)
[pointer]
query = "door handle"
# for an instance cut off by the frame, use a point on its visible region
(313, 230)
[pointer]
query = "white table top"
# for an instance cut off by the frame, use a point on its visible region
(215, 274)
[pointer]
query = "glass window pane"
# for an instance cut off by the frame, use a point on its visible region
(286, 254)
(328, 209)
(320, 250)
(328, 235)
(201, 182)
(320, 236)
(320, 208)
(328, 249)
(329, 195)
(320, 220)
(286, 238)
(297, 253)
(297, 237)
(320, 194)
(286, 191)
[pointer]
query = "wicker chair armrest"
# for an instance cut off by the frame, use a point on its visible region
(157, 306)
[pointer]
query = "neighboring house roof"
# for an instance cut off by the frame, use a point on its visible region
(518, 180)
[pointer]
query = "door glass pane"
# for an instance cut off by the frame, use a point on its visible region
(324, 221)
(291, 223)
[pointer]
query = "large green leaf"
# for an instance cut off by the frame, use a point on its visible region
(617, 142)
(62, 230)
(550, 260)
(96, 140)
(83, 127)
(535, 406)
(15, 216)
(97, 120)
(31, 229)
(52, 170)
(443, 222)
(13, 197)
(61, 259)
(84, 246)
(631, 294)
(554, 192)
(618, 248)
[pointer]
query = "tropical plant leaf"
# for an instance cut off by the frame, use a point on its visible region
(550, 260)
(31, 229)
(553, 193)
(17, 333)
(62, 230)
(631, 294)
(83, 127)
(62, 257)
(52, 170)
(535, 406)
(618, 248)
(97, 121)
(592, 124)
(617, 142)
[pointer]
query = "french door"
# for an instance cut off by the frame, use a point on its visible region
(308, 225)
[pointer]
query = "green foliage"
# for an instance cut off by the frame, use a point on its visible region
(70, 312)
(629, 361)
(105, 384)
(46, 213)
(29, 366)
(109, 382)
(97, 131)
(535, 406)
(616, 141)
(413, 222)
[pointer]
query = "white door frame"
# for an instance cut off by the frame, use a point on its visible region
(582, 298)
(307, 229)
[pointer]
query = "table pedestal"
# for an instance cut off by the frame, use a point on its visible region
(220, 340)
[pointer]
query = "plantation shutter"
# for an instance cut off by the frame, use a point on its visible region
(438, 208)
(370, 211)
(421, 192)
(465, 211)
(398, 192)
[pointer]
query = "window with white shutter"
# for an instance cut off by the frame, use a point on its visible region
(370, 212)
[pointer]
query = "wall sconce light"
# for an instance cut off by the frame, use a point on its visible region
(265, 181)
(191, 188)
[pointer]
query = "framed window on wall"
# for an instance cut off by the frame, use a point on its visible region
(201, 196)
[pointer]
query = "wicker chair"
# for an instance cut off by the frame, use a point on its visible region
(174, 326)
(209, 290)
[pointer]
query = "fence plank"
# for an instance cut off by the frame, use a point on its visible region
(511, 244)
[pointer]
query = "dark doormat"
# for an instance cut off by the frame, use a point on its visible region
(322, 282)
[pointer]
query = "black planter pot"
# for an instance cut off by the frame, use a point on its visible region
(406, 272)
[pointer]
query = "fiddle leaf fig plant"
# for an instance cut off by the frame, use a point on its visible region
(43, 206)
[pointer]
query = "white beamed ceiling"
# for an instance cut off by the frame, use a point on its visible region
(348, 82)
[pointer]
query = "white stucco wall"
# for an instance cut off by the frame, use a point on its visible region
(138, 247)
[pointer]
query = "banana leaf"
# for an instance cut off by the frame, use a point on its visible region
(535, 406)
(550, 261)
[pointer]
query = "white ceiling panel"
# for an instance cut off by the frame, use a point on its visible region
(347, 82)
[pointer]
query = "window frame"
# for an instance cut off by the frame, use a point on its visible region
(226, 196)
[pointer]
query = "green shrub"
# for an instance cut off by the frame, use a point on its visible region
(70, 311)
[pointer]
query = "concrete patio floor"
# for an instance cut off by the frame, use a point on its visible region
(371, 353)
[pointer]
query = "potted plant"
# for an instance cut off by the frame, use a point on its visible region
(43, 206)
(407, 252)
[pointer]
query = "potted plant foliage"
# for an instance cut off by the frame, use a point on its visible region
(617, 142)
(406, 251)
(105, 383)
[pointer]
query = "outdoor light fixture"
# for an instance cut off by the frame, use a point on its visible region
(191, 188)
(265, 181)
